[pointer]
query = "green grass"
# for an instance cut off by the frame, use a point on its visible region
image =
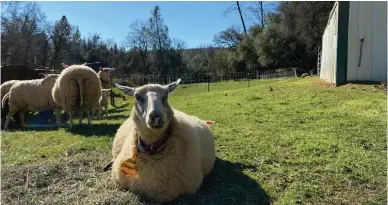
(304, 143)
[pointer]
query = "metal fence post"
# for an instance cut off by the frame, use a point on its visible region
(208, 82)
(248, 80)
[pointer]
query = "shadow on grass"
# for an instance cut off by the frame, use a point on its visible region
(120, 108)
(226, 184)
(94, 129)
(115, 117)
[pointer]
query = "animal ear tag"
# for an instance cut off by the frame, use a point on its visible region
(129, 167)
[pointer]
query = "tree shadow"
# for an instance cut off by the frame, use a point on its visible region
(114, 117)
(120, 108)
(94, 130)
(226, 184)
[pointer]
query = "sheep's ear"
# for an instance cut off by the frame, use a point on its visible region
(127, 90)
(64, 65)
(84, 64)
(170, 87)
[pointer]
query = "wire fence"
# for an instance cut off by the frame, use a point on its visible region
(207, 82)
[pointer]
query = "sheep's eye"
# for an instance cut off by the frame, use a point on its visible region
(164, 99)
(139, 98)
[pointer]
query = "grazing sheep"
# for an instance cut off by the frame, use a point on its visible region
(77, 88)
(31, 95)
(171, 151)
(103, 102)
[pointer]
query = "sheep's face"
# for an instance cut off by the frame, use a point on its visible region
(105, 93)
(152, 108)
(104, 73)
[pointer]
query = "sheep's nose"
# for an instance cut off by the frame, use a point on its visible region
(155, 117)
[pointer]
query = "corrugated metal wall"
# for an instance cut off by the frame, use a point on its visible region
(329, 48)
(367, 21)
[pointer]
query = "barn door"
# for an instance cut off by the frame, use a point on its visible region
(379, 42)
(367, 40)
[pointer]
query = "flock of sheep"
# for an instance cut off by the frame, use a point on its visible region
(159, 152)
(77, 88)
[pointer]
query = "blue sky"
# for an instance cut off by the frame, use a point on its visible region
(193, 22)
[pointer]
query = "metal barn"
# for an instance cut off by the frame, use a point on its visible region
(354, 43)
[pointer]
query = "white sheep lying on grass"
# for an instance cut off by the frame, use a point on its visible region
(77, 88)
(102, 103)
(31, 95)
(171, 151)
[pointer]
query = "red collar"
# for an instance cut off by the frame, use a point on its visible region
(155, 147)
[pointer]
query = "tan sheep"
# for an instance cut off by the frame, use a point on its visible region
(31, 95)
(6, 86)
(171, 151)
(77, 89)
(104, 76)
(103, 102)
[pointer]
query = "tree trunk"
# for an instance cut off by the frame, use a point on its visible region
(160, 45)
(242, 19)
(262, 14)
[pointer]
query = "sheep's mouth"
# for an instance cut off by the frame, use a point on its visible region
(155, 126)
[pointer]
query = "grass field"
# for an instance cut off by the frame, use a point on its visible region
(304, 143)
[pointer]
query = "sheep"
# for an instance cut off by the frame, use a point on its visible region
(104, 76)
(77, 88)
(6, 86)
(4, 89)
(103, 102)
(31, 95)
(171, 150)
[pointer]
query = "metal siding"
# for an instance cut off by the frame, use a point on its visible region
(364, 31)
(353, 48)
(329, 48)
(367, 20)
(379, 41)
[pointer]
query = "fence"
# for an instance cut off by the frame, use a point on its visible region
(220, 81)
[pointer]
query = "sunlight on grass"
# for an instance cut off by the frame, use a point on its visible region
(302, 143)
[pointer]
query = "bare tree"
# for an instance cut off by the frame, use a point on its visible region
(208, 54)
(231, 37)
(139, 38)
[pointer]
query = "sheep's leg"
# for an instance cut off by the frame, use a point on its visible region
(80, 117)
(57, 115)
(21, 114)
(106, 109)
(88, 115)
(93, 113)
(99, 112)
(70, 118)
(9, 116)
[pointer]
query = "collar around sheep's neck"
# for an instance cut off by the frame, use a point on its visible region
(155, 147)
(103, 81)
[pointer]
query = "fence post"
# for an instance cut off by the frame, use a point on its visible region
(248, 80)
(208, 82)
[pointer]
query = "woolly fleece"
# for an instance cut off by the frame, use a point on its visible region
(67, 90)
(178, 169)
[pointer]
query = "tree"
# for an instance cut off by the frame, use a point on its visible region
(231, 37)
(61, 40)
(139, 38)
(22, 31)
(159, 38)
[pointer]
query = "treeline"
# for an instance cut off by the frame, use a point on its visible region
(285, 35)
